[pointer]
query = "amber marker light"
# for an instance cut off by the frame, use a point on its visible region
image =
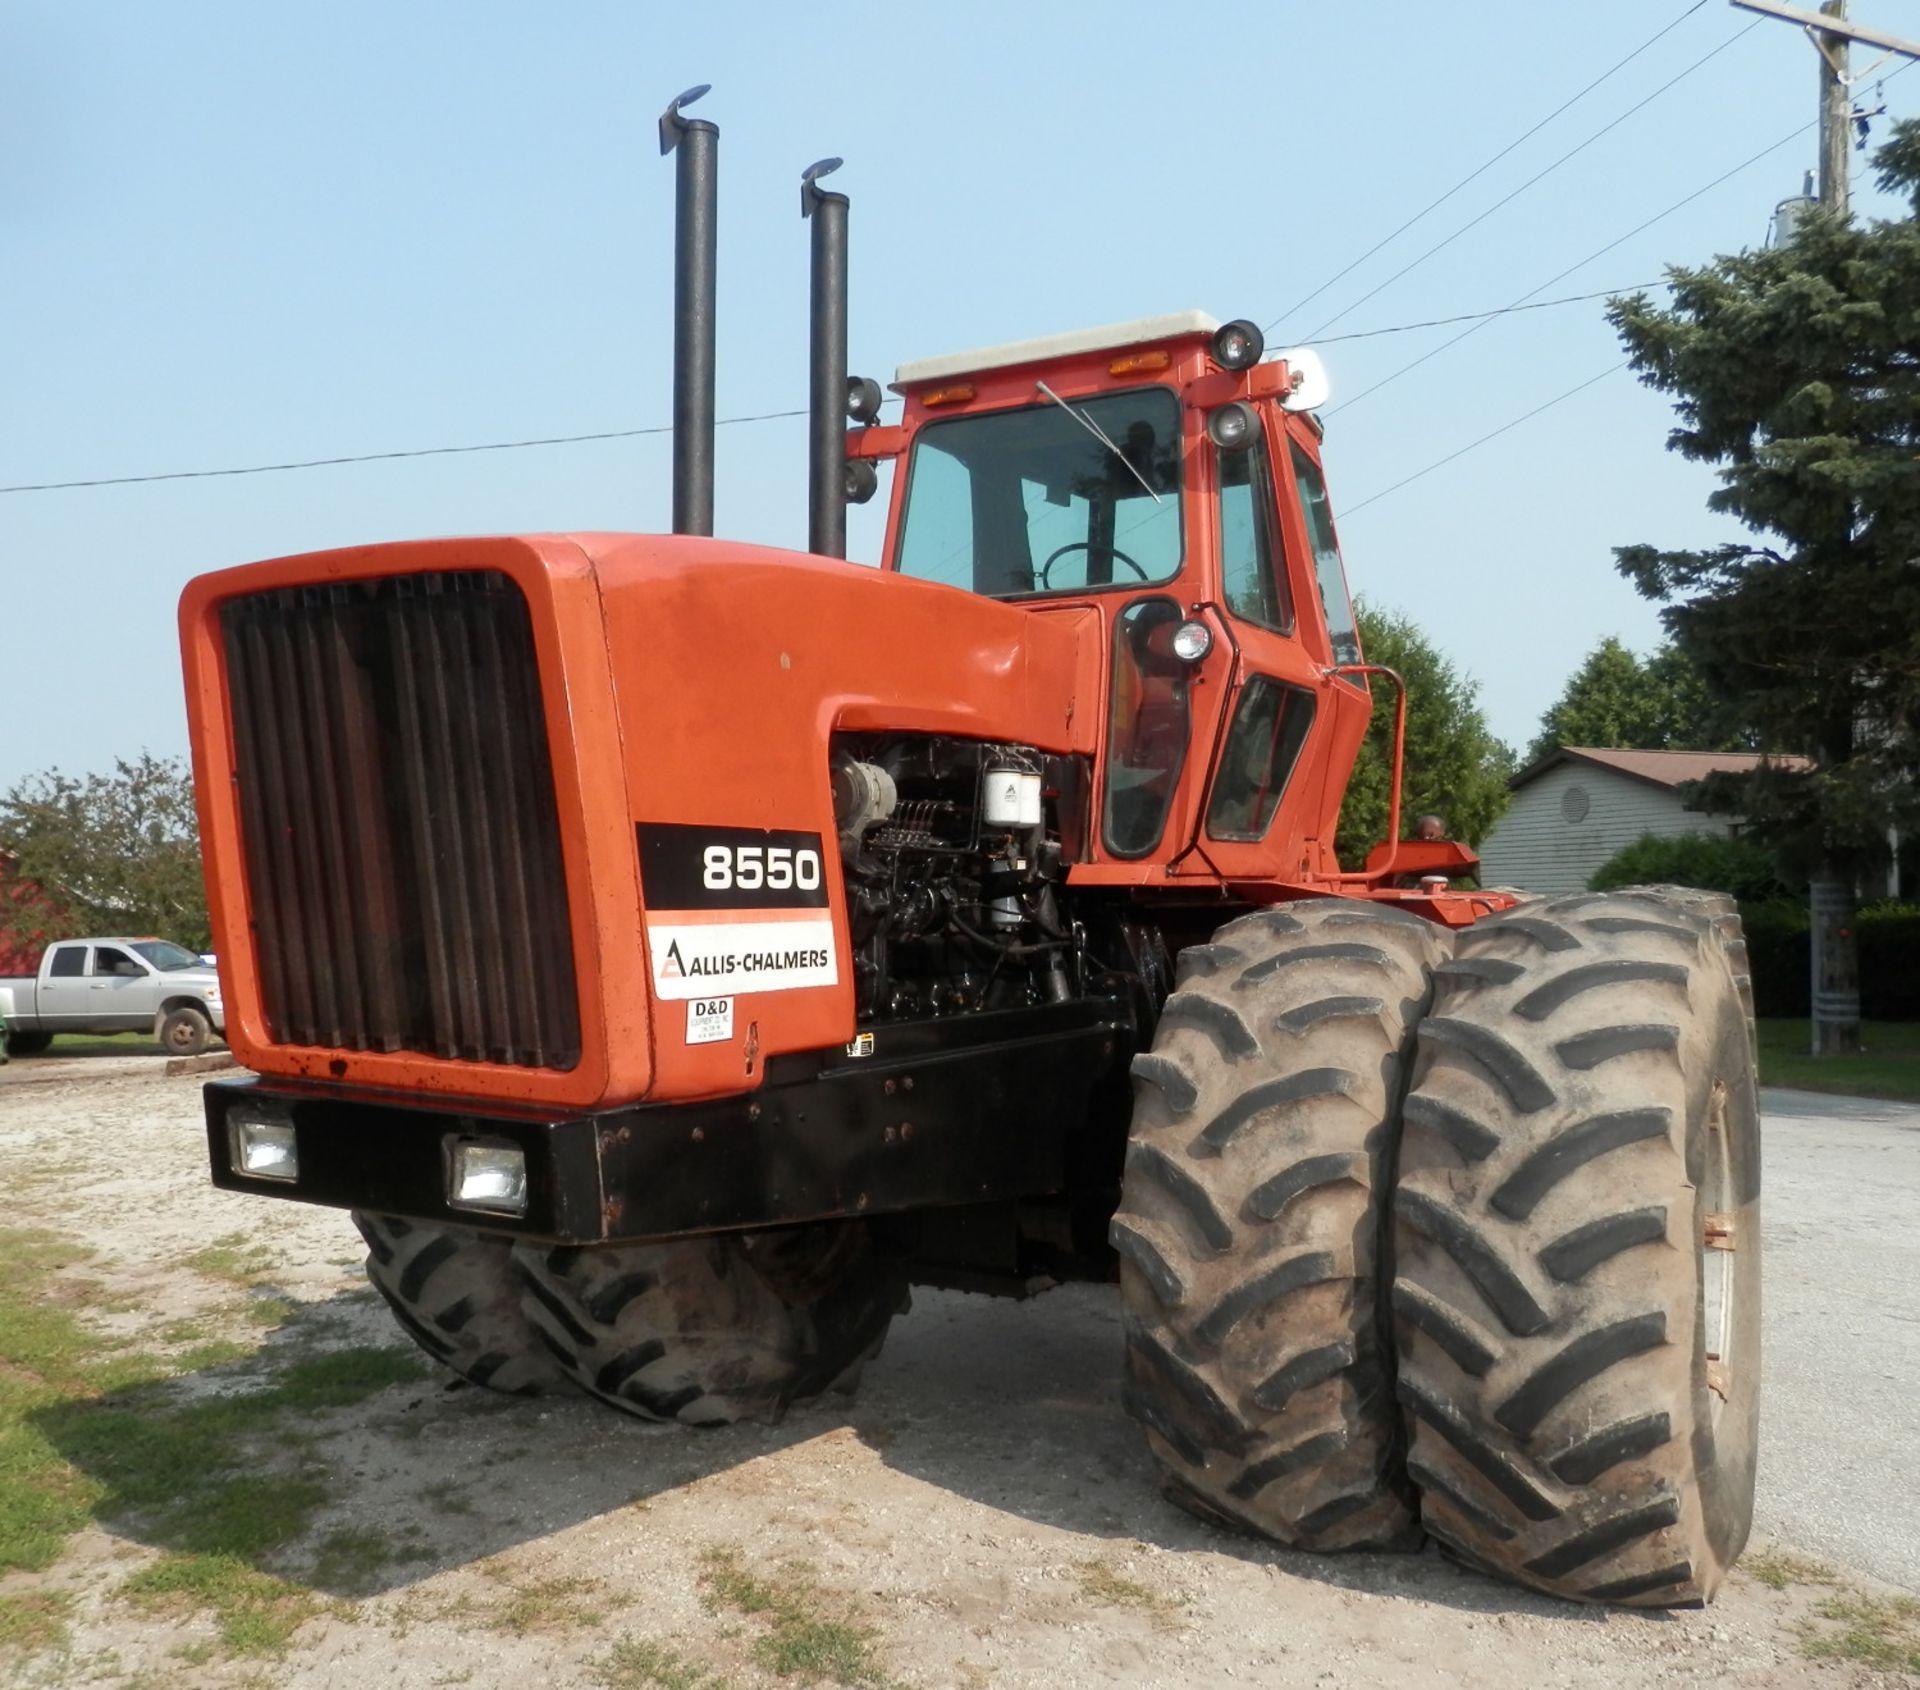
(956, 395)
(1136, 363)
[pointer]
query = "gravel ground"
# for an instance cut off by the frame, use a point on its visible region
(1840, 1432)
(982, 1503)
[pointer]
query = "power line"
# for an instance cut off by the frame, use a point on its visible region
(1472, 175)
(375, 457)
(1504, 428)
(1538, 176)
(1484, 316)
(666, 428)
(1598, 252)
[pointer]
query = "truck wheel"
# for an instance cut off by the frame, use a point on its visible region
(185, 1031)
(1251, 1217)
(1577, 1300)
(28, 1044)
(710, 1330)
(455, 1295)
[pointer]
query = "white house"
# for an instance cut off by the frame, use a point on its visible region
(1577, 806)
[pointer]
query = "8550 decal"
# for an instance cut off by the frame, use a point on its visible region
(735, 909)
(729, 868)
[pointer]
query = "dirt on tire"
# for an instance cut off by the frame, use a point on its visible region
(1250, 1224)
(1580, 1143)
(454, 1293)
(717, 1329)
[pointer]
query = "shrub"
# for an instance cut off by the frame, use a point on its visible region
(1780, 954)
(1714, 862)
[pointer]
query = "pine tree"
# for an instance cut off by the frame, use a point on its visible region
(1796, 373)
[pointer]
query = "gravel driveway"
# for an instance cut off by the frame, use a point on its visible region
(980, 1514)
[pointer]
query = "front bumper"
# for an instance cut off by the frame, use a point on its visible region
(969, 1109)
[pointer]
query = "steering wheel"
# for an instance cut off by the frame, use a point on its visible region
(1059, 552)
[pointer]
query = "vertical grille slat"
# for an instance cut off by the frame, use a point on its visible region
(517, 915)
(398, 815)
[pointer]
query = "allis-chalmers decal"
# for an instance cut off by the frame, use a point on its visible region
(734, 909)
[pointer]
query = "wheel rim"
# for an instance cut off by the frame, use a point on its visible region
(1719, 1242)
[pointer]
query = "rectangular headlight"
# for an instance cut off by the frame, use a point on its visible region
(490, 1177)
(261, 1142)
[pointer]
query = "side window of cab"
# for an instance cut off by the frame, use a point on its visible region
(1252, 569)
(1318, 513)
(69, 962)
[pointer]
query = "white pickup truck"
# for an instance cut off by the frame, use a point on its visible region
(114, 986)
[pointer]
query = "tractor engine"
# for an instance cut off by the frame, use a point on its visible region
(954, 853)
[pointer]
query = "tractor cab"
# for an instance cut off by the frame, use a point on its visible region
(1166, 476)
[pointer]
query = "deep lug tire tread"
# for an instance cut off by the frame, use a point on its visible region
(454, 1293)
(711, 1330)
(1251, 1216)
(1581, 1057)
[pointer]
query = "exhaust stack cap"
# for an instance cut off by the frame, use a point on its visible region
(673, 125)
(811, 194)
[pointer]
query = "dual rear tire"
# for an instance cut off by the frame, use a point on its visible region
(1536, 1315)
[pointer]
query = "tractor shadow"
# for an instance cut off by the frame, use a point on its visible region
(334, 1461)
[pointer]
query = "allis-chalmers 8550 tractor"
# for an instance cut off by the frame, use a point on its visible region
(672, 951)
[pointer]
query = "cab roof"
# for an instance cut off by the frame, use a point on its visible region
(1142, 331)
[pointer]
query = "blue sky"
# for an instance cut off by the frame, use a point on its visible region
(240, 234)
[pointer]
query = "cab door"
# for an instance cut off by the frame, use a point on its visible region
(61, 1000)
(1260, 818)
(119, 991)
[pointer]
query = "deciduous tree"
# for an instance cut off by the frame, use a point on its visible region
(116, 853)
(1454, 765)
(1627, 703)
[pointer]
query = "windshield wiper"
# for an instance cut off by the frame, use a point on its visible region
(1100, 434)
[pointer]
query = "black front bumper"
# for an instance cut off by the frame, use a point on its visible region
(968, 1109)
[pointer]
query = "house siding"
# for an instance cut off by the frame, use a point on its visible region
(1534, 847)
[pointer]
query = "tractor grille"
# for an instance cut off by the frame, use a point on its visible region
(402, 840)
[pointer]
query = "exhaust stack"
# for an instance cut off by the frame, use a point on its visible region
(696, 199)
(827, 365)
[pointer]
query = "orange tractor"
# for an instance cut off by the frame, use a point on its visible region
(672, 951)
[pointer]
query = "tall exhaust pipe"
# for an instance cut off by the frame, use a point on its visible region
(695, 207)
(827, 364)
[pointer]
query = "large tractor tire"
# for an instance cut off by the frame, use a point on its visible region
(455, 1294)
(1577, 1296)
(1251, 1220)
(710, 1330)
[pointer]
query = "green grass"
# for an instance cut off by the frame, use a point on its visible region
(90, 1431)
(1873, 1631)
(1100, 1583)
(1847, 1625)
(1887, 1066)
(1777, 1569)
(32, 1623)
(636, 1664)
(810, 1635)
(97, 1044)
(237, 1258)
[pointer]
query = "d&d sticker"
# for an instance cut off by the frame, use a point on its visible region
(709, 1020)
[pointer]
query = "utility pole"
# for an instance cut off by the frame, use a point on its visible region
(1832, 33)
(1831, 893)
(1836, 108)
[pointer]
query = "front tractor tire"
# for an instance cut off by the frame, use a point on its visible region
(1251, 1219)
(718, 1328)
(455, 1294)
(1577, 1297)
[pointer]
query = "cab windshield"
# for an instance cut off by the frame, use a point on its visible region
(1036, 501)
